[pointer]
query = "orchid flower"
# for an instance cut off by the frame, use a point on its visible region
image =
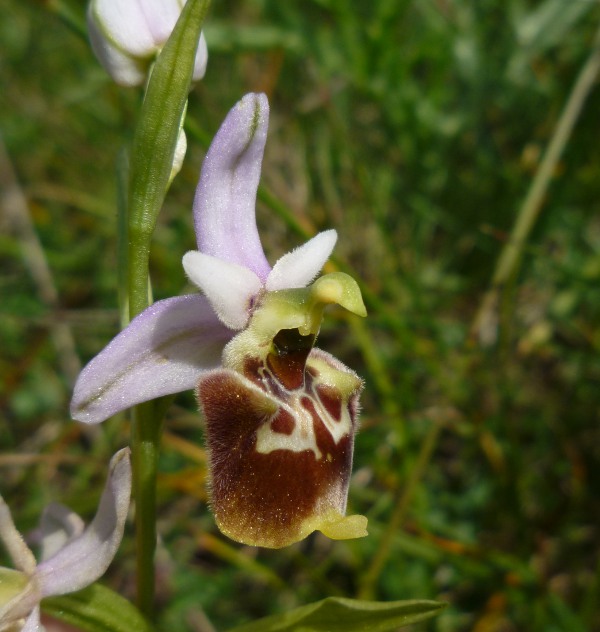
(280, 415)
(72, 556)
(126, 36)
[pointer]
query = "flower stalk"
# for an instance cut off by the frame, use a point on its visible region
(146, 428)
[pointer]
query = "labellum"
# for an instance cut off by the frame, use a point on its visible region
(281, 418)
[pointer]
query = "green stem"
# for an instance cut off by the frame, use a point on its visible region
(510, 256)
(145, 424)
(145, 437)
(150, 171)
(139, 255)
(367, 587)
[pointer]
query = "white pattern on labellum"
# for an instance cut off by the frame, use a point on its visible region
(337, 429)
(302, 437)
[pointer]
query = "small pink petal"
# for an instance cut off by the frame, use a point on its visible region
(228, 286)
(300, 266)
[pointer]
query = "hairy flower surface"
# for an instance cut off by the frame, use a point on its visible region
(281, 416)
(126, 36)
(72, 557)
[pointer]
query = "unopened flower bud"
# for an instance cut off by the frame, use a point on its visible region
(126, 36)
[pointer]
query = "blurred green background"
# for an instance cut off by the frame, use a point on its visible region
(415, 128)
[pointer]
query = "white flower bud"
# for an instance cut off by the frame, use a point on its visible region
(126, 36)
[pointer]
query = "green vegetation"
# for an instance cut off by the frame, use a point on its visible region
(417, 129)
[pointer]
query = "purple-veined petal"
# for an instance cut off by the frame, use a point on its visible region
(83, 560)
(163, 350)
(228, 286)
(224, 205)
(300, 266)
(58, 525)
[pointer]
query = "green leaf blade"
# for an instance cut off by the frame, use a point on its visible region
(338, 614)
(97, 609)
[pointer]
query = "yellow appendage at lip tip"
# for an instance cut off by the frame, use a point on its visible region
(332, 525)
(338, 527)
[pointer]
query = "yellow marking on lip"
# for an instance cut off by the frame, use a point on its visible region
(337, 526)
